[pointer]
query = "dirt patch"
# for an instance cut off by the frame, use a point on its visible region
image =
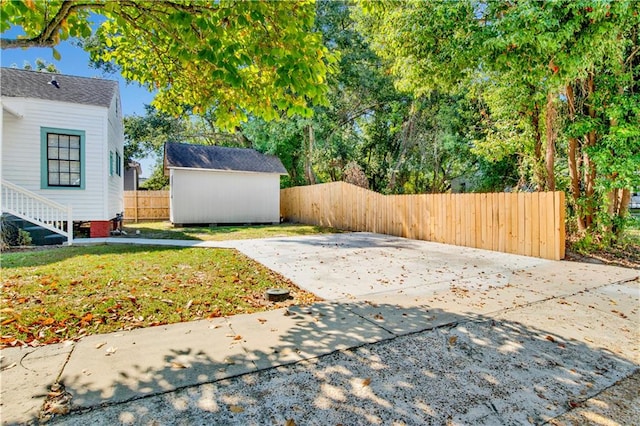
(627, 257)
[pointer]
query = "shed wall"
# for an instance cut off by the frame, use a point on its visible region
(208, 196)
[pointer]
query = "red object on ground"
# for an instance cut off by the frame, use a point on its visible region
(100, 228)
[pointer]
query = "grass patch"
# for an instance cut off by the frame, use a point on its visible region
(165, 230)
(66, 293)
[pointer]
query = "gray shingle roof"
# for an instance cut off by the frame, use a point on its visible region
(220, 158)
(19, 83)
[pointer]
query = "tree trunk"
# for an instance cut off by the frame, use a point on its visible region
(308, 166)
(573, 154)
(619, 200)
(551, 134)
(538, 169)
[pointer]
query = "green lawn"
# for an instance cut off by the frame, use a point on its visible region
(64, 293)
(165, 230)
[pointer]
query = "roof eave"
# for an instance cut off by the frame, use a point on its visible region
(11, 111)
(224, 170)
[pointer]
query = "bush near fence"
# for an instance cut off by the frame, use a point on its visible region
(530, 224)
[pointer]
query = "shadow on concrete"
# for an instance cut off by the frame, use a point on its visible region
(347, 241)
(327, 365)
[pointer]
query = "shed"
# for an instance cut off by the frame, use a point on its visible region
(221, 185)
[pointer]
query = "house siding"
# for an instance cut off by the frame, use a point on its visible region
(115, 132)
(21, 151)
(208, 196)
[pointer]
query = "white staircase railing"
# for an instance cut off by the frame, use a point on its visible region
(36, 209)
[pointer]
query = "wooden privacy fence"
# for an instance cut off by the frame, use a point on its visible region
(530, 224)
(146, 205)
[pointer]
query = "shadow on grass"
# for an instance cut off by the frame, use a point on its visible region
(165, 231)
(319, 366)
(47, 256)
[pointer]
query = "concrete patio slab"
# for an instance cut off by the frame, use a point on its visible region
(348, 266)
(587, 325)
(120, 366)
(264, 337)
(408, 313)
(290, 335)
(402, 318)
(329, 327)
(565, 278)
(622, 300)
(27, 375)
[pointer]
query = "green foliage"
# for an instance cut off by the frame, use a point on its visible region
(40, 65)
(229, 58)
(147, 134)
(24, 238)
(11, 235)
(517, 55)
(157, 181)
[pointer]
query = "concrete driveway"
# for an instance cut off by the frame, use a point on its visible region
(412, 332)
(360, 265)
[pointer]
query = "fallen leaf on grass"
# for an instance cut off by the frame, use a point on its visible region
(550, 338)
(236, 409)
(8, 321)
(453, 340)
(238, 337)
(378, 317)
(366, 382)
(47, 321)
(290, 422)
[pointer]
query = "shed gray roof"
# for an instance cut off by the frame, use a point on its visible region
(17, 83)
(220, 158)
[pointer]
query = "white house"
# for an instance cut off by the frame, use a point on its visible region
(220, 185)
(62, 145)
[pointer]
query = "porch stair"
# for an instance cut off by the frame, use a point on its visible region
(38, 210)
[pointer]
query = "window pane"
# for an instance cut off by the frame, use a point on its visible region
(54, 179)
(63, 140)
(54, 166)
(75, 179)
(74, 154)
(52, 153)
(64, 178)
(64, 166)
(52, 139)
(74, 142)
(64, 153)
(74, 167)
